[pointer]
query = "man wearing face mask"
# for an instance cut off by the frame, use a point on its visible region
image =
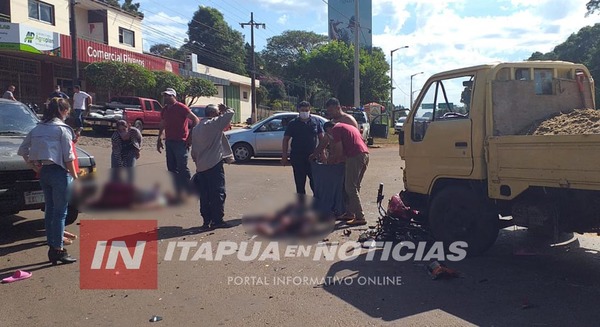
(304, 131)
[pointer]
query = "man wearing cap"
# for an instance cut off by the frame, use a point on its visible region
(174, 123)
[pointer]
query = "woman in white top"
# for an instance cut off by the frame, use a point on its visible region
(48, 149)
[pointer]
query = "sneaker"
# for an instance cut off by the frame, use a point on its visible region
(222, 224)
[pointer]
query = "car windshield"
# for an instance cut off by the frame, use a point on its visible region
(360, 117)
(16, 118)
(199, 111)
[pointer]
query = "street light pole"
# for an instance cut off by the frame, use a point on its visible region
(411, 91)
(392, 76)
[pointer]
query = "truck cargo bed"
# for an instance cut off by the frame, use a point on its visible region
(516, 163)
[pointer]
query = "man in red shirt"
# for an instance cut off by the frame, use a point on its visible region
(174, 122)
(348, 146)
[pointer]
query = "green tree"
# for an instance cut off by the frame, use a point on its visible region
(133, 8)
(374, 80)
(166, 50)
(194, 88)
(165, 80)
(215, 42)
(331, 64)
(282, 51)
(262, 95)
(592, 6)
(118, 78)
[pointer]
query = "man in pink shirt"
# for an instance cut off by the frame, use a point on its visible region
(348, 146)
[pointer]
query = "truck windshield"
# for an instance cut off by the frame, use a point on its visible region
(16, 118)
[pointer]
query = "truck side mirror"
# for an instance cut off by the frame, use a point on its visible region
(401, 137)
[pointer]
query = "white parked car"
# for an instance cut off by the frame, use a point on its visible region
(399, 125)
(262, 139)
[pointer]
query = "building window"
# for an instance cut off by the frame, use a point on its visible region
(245, 95)
(126, 37)
(41, 11)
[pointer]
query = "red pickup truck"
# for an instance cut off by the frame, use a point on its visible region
(142, 113)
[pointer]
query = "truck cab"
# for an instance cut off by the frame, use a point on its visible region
(468, 156)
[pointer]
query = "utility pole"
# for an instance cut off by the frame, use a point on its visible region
(356, 56)
(411, 89)
(73, 29)
(252, 24)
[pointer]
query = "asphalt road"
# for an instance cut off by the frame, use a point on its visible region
(520, 281)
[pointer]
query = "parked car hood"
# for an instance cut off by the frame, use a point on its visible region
(10, 160)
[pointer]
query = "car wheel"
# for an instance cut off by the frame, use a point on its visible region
(139, 125)
(458, 213)
(72, 214)
(242, 152)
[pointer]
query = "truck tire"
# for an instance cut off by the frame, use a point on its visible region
(242, 152)
(139, 125)
(72, 214)
(457, 213)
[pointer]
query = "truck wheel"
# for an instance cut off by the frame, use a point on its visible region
(72, 214)
(139, 125)
(457, 213)
(100, 130)
(242, 152)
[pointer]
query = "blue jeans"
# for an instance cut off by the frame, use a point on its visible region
(124, 162)
(55, 182)
(177, 160)
(78, 117)
(210, 185)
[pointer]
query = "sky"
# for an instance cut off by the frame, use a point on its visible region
(440, 34)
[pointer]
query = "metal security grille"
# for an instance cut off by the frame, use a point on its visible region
(24, 74)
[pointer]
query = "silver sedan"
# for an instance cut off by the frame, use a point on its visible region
(262, 139)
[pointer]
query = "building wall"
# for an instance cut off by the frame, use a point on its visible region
(118, 19)
(243, 82)
(19, 13)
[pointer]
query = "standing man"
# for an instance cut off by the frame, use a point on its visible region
(81, 102)
(207, 153)
(335, 113)
(304, 131)
(58, 93)
(9, 93)
(174, 122)
(347, 145)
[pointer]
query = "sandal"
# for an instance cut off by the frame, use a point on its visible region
(70, 236)
(67, 241)
(346, 217)
(356, 222)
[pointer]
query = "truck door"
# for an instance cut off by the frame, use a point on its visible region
(152, 113)
(438, 140)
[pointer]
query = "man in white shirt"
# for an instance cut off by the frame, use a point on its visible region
(81, 101)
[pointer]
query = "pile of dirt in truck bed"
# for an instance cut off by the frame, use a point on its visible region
(577, 121)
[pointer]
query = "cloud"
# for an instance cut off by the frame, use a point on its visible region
(164, 28)
(282, 19)
(448, 34)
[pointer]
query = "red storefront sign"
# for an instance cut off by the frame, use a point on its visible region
(89, 51)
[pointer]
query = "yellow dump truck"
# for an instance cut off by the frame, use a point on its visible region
(470, 160)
